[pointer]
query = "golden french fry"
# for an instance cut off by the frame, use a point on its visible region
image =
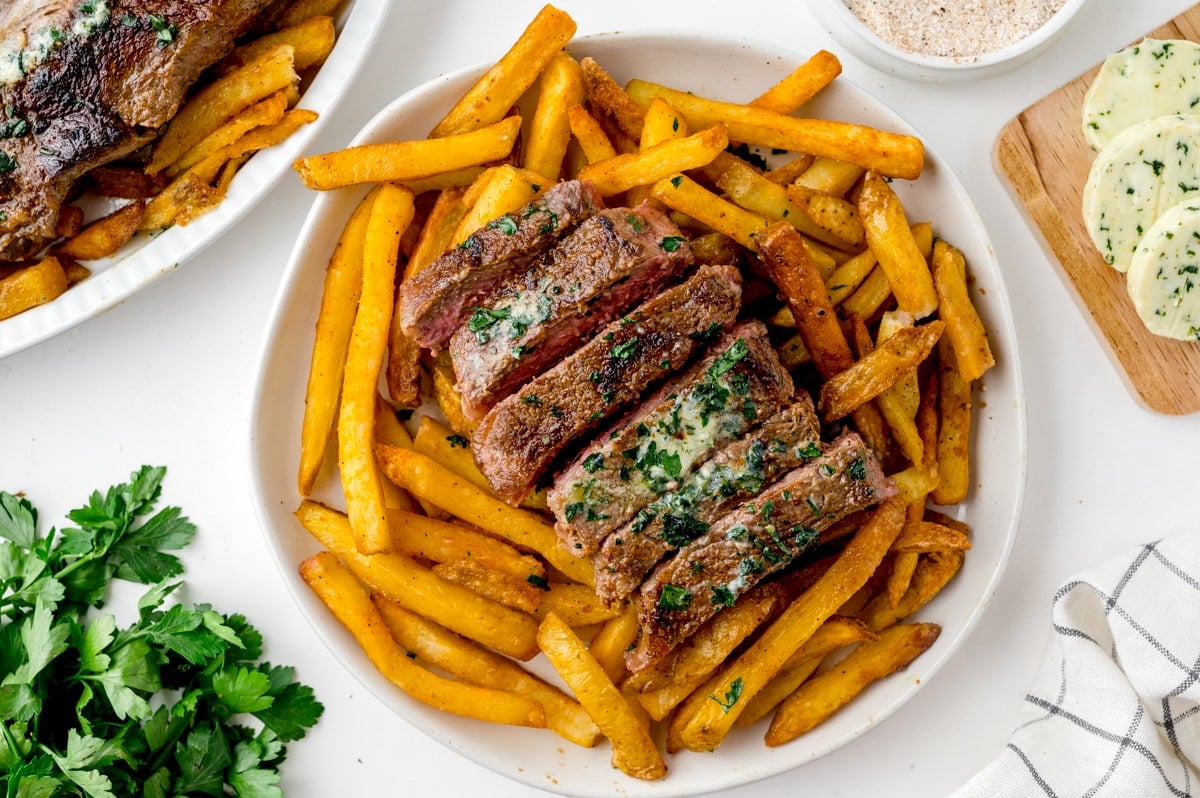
(904, 565)
(186, 195)
(499, 190)
(123, 182)
(801, 84)
(344, 596)
(613, 640)
(476, 665)
(590, 135)
(634, 752)
(877, 371)
(391, 212)
(954, 431)
(76, 272)
(446, 541)
(837, 632)
(921, 537)
(426, 479)
(311, 40)
(964, 329)
(661, 123)
(104, 236)
(300, 10)
(891, 154)
(448, 399)
(742, 678)
(848, 276)
(830, 176)
(500, 87)
(756, 193)
(31, 286)
(550, 127)
(220, 100)
(793, 353)
(456, 178)
(264, 112)
(870, 295)
(681, 193)
(891, 239)
(577, 605)
(934, 571)
(402, 579)
(608, 99)
(389, 430)
(69, 222)
(815, 701)
(788, 172)
(786, 259)
(837, 218)
(437, 233)
(495, 585)
(656, 162)
(398, 161)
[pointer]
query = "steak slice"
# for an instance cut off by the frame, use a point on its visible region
(759, 538)
(83, 84)
(736, 473)
(739, 380)
(607, 265)
(437, 299)
(520, 437)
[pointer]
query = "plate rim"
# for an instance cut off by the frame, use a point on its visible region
(316, 615)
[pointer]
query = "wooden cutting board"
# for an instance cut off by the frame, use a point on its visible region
(1042, 153)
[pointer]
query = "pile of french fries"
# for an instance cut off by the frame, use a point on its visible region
(249, 105)
(448, 589)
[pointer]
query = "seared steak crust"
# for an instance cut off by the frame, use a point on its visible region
(607, 265)
(520, 437)
(94, 89)
(736, 473)
(759, 538)
(438, 299)
(739, 380)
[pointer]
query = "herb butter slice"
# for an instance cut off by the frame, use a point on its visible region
(1145, 170)
(1147, 79)
(1164, 274)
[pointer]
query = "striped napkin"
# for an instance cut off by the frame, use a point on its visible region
(1115, 710)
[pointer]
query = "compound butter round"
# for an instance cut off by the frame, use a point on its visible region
(1148, 168)
(1164, 274)
(1151, 78)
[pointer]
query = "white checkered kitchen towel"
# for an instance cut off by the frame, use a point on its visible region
(1115, 710)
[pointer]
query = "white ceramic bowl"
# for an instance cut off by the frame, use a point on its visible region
(718, 66)
(850, 32)
(148, 257)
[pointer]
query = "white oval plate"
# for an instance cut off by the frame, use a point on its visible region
(147, 258)
(723, 67)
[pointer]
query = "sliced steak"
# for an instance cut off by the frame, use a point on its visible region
(439, 298)
(609, 264)
(83, 84)
(757, 539)
(736, 473)
(738, 381)
(520, 437)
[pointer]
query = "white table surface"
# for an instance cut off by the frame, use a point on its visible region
(166, 378)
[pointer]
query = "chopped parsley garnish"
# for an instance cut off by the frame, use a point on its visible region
(164, 31)
(482, 319)
(635, 222)
(14, 127)
(505, 224)
(457, 440)
(708, 334)
(625, 350)
(677, 181)
(810, 449)
(674, 597)
(531, 399)
(593, 462)
(731, 695)
(7, 163)
(723, 596)
(679, 530)
(572, 510)
(550, 225)
(857, 470)
(672, 243)
(538, 581)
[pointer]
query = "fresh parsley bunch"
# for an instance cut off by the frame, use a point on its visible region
(162, 707)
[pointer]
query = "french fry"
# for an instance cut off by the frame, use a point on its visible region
(891, 154)
(476, 665)
(685, 195)
(661, 123)
(877, 371)
(448, 399)
(69, 222)
(31, 286)
(801, 84)
(446, 541)
(300, 10)
(891, 239)
(606, 98)
(789, 171)
(456, 178)
(634, 752)
(742, 678)
(344, 596)
(837, 632)
(590, 135)
(830, 176)
(391, 212)
(837, 218)
(756, 193)
(848, 276)
(495, 585)
(76, 272)
(187, 192)
(577, 605)
(389, 430)
(871, 295)
(123, 182)
(793, 353)
(954, 431)
(657, 162)
(815, 701)
(613, 640)
(499, 190)
(398, 161)
(550, 128)
(265, 112)
(934, 571)
(786, 259)
(437, 233)
(402, 579)
(424, 478)
(500, 87)
(964, 329)
(311, 41)
(104, 236)
(898, 404)
(922, 537)
(220, 100)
